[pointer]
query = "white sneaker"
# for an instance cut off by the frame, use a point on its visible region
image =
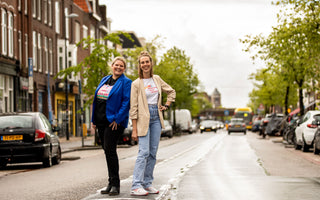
(139, 192)
(152, 190)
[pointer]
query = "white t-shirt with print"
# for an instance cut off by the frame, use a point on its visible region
(152, 92)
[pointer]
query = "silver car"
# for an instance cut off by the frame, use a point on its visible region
(237, 125)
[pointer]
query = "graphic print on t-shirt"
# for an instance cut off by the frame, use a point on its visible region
(150, 89)
(104, 92)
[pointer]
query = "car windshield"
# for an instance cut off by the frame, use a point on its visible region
(208, 123)
(15, 121)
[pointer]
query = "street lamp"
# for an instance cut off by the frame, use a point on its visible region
(71, 15)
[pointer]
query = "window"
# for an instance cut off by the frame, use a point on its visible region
(6, 93)
(85, 31)
(60, 63)
(67, 23)
(61, 56)
(46, 55)
(77, 36)
(34, 50)
(34, 8)
(39, 53)
(26, 49)
(39, 9)
(45, 11)
(92, 35)
(50, 56)
(4, 40)
(20, 46)
(19, 5)
(26, 7)
(57, 16)
(49, 12)
(10, 33)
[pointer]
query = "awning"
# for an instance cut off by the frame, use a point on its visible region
(295, 111)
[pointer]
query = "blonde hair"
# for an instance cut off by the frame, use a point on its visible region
(145, 54)
(121, 59)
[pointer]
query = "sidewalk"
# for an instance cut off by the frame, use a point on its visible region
(75, 144)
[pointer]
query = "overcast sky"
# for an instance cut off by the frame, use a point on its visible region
(208, 31)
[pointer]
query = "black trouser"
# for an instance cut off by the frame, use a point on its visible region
(109, 139)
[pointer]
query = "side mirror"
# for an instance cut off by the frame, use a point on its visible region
(56, 129)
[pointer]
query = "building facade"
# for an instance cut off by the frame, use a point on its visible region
(38, 39)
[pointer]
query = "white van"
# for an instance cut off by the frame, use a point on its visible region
(183, 118)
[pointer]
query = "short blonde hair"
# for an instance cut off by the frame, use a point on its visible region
(145, 54)
(121, 59)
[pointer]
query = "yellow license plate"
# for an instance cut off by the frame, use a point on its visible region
(11, 137)
(237, 126)
(208, 129)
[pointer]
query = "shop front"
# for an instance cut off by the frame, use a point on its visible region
(60, 113)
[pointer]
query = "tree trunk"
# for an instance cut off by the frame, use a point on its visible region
(301, 100)
(286, 100)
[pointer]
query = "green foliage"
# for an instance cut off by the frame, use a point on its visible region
(290, 53)
(175, 68)
(95, 66)
(132, 55)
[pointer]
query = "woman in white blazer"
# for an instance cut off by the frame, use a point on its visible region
(147, 121)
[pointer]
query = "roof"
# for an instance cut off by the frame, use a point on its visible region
(127, 43)
(84, 5)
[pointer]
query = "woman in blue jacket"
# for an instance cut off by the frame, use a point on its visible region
(110, 114)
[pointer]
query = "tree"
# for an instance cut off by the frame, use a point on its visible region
(95, 66)
(292, 49)
(132, 56)
(175, 68)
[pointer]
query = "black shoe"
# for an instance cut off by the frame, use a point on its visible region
(114, 191)
(107, 190)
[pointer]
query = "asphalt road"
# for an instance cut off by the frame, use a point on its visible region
(196, 166)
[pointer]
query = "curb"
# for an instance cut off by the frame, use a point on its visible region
(85, 148)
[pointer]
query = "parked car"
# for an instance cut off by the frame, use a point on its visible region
(208, 125)
(264, 124)
(125, 138)
(167, 130)
(237, 125)
(316, 141)
(256, 125)
(183, 119)
(28, 137)
(194, 126)
(274, 124)
(305, 131)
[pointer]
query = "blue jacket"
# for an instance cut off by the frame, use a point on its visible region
(118, 102)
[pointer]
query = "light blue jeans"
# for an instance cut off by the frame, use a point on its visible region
(148, 147)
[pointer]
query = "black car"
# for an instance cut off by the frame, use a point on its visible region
(28, 137)
(125, 138)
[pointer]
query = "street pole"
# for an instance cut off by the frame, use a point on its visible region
(71, 15)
